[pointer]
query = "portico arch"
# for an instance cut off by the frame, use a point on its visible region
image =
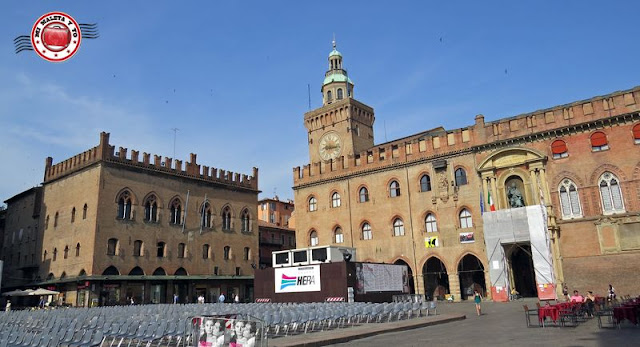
(412, 288)
(436, 279)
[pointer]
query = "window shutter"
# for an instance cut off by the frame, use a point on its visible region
(636, 132)
(598, 139)
(558, 147)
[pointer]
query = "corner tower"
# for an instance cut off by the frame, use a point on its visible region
(343, 126)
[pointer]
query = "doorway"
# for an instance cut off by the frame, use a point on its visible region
(436, 279)
(522, 271)
(471, 276)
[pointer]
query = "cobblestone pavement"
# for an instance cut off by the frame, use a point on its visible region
(501, 324)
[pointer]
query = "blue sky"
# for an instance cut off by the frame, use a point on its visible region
(233, 75)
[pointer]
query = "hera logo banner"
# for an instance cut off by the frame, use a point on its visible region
(297, 279)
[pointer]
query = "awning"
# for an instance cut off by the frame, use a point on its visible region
(18, 292)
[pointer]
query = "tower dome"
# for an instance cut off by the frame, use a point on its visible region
(336, 80)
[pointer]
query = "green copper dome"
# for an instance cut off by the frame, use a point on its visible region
(335, 53)
(336, 77)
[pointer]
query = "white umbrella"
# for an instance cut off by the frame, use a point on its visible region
(42, 291)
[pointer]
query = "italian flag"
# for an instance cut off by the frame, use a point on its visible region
(492, 207)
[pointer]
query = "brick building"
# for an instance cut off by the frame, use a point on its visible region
(115, 226)
(565, 182)
(20, 242)
(276, 228)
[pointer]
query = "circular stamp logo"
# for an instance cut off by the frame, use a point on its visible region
(56, 36)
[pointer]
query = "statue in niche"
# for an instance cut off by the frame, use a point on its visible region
(515, 196)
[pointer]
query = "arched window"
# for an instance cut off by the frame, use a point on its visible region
(366, 232)
(461, 177)
(425, 183)
(124, 205)
(394, 189)
(247, 253)
(205, 251)
(569, 199)
(340, 94)
(599, 141)
(335, 200)
(338, 236)
(226, 218)
(364, 194)
(559, 149)
(137, 248)
(112, 246)
(160, 249)
(398, 227)
(430, 223)
(182, 250)
(176, 212)
(151, 209)
(205, 218)
(610, 194)
(465, 219)
(329, 96)
(84, 211)
(246, 226)
(55, 220)
(313, 204)
(313, 238)
(227, 252)
(636, 134)
(55, 254)
(73, 215)
(66, 252)
(78, 249)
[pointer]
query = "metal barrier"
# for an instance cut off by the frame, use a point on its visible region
(225, 330)
(408, 298)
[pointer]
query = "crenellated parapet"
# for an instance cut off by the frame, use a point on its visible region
(105, 152)
(585, 115)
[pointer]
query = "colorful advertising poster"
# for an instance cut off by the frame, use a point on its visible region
(467, 238)
(431, 242)
(297, 279)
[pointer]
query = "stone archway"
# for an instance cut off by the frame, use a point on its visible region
(412, 288)
(471, 276)
(436, 279)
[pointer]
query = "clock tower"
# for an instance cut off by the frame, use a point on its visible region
(343, 126)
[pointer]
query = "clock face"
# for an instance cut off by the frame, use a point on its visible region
(330, 146)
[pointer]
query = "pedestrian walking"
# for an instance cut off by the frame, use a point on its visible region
(175, 298)
(477, 298)
(7, 308)
(565, 292)
(236, 299)
(221, 298)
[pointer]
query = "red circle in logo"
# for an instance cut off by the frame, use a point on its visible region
(56, 36)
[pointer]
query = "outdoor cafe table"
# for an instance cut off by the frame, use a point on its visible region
(553, 312)
(628, 312)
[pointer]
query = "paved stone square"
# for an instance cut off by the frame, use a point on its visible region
(501, 324)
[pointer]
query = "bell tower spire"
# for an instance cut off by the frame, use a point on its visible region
(343, 127)
(337, 85)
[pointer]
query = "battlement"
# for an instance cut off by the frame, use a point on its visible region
(106, 153)
(441, 143)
